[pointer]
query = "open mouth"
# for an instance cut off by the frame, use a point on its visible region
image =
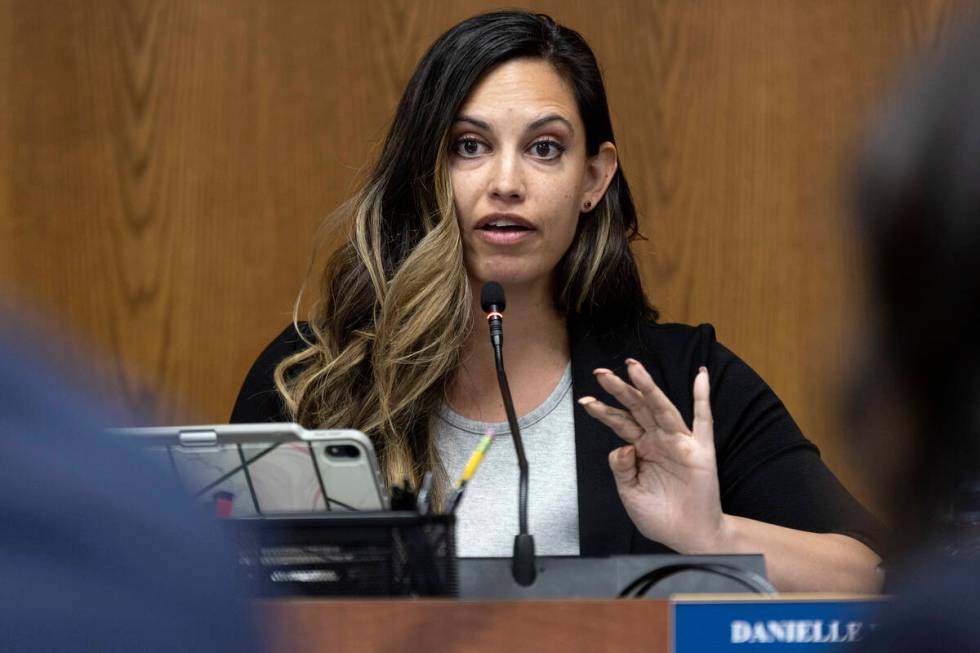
(504, 223)
(504, 228)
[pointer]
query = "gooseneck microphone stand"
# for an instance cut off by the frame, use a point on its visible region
(493, 303)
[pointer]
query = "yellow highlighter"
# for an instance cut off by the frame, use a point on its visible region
(469, 470)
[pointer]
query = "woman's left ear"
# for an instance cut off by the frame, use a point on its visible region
(599, 171)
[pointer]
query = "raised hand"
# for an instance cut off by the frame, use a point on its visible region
(666, 474)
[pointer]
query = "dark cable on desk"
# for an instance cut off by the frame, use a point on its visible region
(753, 581)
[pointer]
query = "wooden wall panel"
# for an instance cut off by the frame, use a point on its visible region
(163, 166)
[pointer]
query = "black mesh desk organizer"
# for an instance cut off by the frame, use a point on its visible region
(348, 554)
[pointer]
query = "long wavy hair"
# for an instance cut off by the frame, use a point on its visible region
(394, 308)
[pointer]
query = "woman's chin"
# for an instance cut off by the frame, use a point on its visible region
(507, 277)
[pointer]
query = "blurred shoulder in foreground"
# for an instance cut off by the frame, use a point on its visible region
(918, 212)
(98, 550)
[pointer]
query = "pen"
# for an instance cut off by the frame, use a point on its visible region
(422, 501)
(468, 471)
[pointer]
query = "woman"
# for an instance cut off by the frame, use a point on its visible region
(501, 165)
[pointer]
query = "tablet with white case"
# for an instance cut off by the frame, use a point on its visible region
(248, 470)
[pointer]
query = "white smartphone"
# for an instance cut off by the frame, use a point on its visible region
(276, 468)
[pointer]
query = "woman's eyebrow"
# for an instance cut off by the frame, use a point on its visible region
(473, 121)
(535, 124)
(552, 117)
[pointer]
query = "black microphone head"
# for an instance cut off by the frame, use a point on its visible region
(492, 296)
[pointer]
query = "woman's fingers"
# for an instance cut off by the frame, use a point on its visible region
(648, 409)
(664, 412)
(622, 462)
(630, 397)
(620, 421)
(646, 401)
(703, 422)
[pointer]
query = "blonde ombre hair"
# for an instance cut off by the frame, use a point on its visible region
(394, 307)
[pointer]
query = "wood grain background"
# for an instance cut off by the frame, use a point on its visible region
(163, 166)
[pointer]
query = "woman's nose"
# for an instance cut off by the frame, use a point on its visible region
(507, 180)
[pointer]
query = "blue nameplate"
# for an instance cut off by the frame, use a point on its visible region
(782, 623)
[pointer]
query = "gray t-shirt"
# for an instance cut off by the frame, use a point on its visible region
(487, 516)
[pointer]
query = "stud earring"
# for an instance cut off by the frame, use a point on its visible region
(588, 205)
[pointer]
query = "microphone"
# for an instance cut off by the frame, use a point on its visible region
(493, 303)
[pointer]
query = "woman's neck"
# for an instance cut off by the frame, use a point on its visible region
(535, 353)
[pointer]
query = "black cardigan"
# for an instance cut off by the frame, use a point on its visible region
(767, 470)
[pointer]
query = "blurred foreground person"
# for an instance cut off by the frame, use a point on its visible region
(99, 551)
(919, 217)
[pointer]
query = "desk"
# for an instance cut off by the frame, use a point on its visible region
(451, 625)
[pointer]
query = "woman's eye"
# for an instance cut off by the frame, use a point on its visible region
(547, 150)
(469, 147)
